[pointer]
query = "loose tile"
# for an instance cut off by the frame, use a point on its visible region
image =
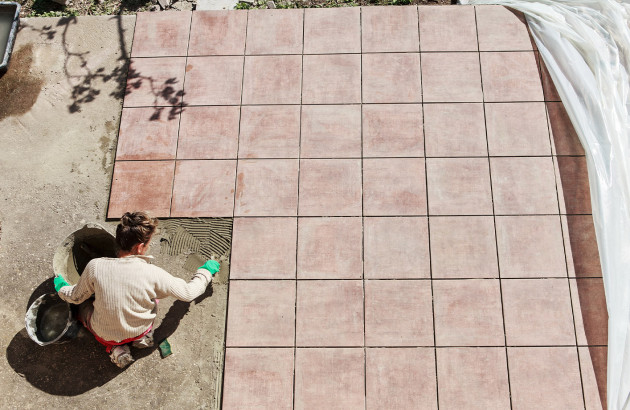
(336, 303)
(217, 32)
(335, 30)
(517, 129)
(387, 29)
(330, 248)
(581, 246)
(274, 240)
(272, 80)
(589, 311)
(549, 88)
(208, 133)
(155, 82)
(451, 77)
(213, 80)
(332, 79)
(393, 130)
(398, 313)
(391, 78)
(270, 131)
(331, 131)
(275, 31)
(396, 248)
(593, 365)
(330, 187)
(447, 28)
(573, 186)
(204, 189)
(161, 34)
(510, 77)
(394, 187)
(144, 134)
(266, 187)
(455, 130)
(502, 29)
(537, 312)
(565, 139)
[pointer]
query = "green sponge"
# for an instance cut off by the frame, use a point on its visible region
(165, 348)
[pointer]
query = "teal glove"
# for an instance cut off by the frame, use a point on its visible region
(60, 283)
(211, 266)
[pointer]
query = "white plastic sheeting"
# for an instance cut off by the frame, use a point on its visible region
(585, 45)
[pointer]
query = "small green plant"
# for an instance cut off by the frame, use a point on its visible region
(242, 5)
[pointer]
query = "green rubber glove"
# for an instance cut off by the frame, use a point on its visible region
(211, 266)
(60, 283)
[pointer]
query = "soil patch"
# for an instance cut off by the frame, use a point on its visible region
(18, 87)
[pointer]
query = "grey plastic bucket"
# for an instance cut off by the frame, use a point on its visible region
(9, 21)
(49, 320)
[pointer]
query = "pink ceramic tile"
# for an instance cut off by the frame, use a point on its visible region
(502, 29)
(145, 135)
(510, 77)
(455, 130)
(329, 313)
(396, 248)
(549, 88)
(400, 378)
(274, 242)
(332, 79)
(530, 246)
(447, 28)
(581, 246)
(451, 77)
(331, 131)
(258, 378)
(217, 32)
(473, 377)
(275, 32)
(141, 185)
(573, 186)
(272, 80)
(330, 187)
(261, 313)
(161, 34)
(537, 312)
(208, 133)
(155, 82)
(459, 186)
(565, 140)
(517, 129)
(393, 130)
(332, 30)
(589, 311)
(387, 29)
(463, 247)
(204, 188)
(545, 377)
(468, 312)
(329, 379)
(593, 365)
(394, 187)
(213, 80)
(524, 186)
(398, 313)
(270, 131)
(391, 78)
(330, 248)
(266, 187)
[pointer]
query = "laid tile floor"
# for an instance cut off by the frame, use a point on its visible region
(411, 207)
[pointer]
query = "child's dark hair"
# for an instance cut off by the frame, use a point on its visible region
(134, 228)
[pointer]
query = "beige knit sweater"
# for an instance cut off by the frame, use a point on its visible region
(125, 290)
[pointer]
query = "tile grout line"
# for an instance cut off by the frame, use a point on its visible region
(365, 370)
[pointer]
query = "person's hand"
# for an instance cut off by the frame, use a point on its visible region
(211, 266)
(59, 283)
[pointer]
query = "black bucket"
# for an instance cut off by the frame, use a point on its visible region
(49, 320)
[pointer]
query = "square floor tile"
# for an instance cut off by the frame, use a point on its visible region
(451, 77)
(396, 248)
(275, 31)
(468, 312)
(537, 312)
(589, 311)
(459, 186)
(387, 29)
(191, 195)
(473, 377)
(398, 313)
(153, 82)
(332, 79)
(261, 313)
(213, 80)
(266, 187)
(329, 313)
(530, 246)
(144, 135)
(400, 378)
(161, 34)
(329, 379)
(331, 131)
(272, 80)
(270, 131)
(447, 28)
(524, 186)
(581, 246)
(463, 247)
(330, 248)
(145, 185)
(565, 139)
(274, 240)
(258, 378)
(573, 186)
(549, 88)
(502, 29)
(393, 130)
(391, 78)
(394, 187)
(510, 77)
(545, 377)
(330, 187)
(517, 129)
(455, 130)
(217, 32)
(593, 364)
(334, 30)
(208, 133)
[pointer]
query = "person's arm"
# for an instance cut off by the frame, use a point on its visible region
(80, 292)
(189, 291)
